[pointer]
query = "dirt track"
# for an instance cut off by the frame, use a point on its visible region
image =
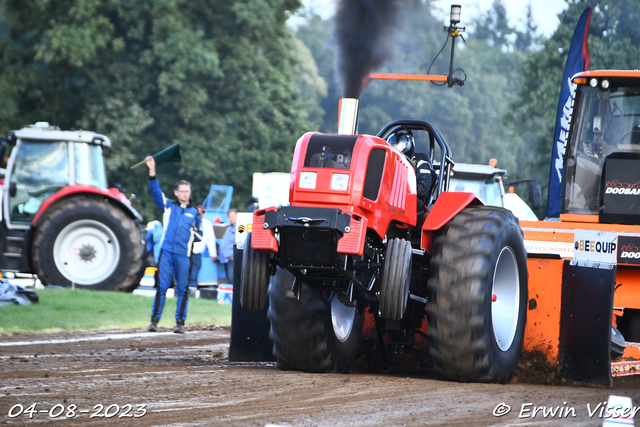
(186, 380)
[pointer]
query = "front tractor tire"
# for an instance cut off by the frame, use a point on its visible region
(477, 296)
(315, 334)
(396, 277)
(87, 243)
(254, 279)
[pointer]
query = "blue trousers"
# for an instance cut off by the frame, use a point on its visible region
(228, 271)
(170, 265)
(196, 263)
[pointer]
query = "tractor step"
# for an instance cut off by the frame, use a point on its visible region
(12, 249)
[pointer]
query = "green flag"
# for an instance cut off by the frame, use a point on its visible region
(170, 154)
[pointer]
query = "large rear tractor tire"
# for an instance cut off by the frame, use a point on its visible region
(254, 278)
(88, 243)
(396, 277)
(477, 296)
(312, 335)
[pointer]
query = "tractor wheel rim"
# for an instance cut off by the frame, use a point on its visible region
(342, 318)
(86, 252)
(505, 305)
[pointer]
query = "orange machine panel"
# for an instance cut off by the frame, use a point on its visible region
(627, 293)
(542, 332)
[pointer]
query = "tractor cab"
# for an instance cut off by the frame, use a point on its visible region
(46, 160)
(602, 177)
(218, 202)
(487, 182)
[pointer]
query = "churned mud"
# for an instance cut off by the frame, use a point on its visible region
(105, 378)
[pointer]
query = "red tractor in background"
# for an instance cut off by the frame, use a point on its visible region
(59, 218)
(352, 242)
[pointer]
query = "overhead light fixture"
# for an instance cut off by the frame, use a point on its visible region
(455, 14)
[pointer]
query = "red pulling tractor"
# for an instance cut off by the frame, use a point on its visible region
(352, 239)
(59, 218)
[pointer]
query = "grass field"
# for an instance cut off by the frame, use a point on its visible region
(81, 310)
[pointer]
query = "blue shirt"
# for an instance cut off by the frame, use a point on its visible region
(226, 244)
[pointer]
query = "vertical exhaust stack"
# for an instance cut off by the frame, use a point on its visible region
(348, 116)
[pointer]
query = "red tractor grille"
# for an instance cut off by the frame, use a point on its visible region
(399, 189)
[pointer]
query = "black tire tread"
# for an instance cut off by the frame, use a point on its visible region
(395, 279)
(126, 282)
(302, 333)
(456, 294)
(254, 278)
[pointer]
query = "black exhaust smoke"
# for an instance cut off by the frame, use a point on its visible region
(362, 27)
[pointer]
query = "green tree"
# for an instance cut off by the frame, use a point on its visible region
(218, 77)
(493, 26)
(317, 35)
(527, 38)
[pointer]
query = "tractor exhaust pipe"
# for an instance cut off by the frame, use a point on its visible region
(348, 116)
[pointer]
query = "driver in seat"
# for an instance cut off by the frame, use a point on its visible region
(425, 175)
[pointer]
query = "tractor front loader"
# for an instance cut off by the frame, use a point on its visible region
(352, 241)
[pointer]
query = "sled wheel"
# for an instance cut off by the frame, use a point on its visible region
(87, 243)
(313, 335)
(477, 294)
(618, 344)
(254, 278)
(394, 289)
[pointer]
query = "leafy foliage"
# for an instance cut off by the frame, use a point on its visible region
(218, 77)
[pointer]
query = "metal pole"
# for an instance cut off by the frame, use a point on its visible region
(452, 33)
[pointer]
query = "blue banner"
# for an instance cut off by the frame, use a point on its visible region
(577, 61)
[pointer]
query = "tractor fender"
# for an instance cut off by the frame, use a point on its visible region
(448, 205)
(75, 190)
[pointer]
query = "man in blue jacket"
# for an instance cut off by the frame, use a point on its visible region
(182, 227)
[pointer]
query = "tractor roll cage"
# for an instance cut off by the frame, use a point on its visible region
(434, 137)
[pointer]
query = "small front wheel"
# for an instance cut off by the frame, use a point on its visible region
(254, 279)
(396, 277)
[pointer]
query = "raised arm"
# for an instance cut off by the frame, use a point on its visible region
(154, 185)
